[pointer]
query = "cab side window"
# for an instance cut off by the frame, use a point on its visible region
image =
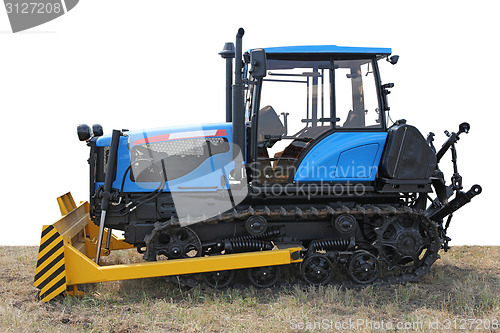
(356, 95)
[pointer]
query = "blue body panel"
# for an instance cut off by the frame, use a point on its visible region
(329, 49)
(206, 177)
(343, 156)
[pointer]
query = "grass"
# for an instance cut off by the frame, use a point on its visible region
(462, 291)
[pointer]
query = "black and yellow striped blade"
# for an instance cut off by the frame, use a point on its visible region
(50, 274)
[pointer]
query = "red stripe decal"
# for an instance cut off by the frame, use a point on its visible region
(158, 138)
(221, 133)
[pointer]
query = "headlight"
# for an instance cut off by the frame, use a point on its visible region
(84, 132)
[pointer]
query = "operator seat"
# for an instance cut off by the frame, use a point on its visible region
(354, 120)
(270, 126)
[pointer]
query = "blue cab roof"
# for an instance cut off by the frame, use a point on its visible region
(328, 49)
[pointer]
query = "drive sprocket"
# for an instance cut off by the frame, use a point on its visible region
(406, 241)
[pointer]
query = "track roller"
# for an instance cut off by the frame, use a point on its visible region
(264, 277)
(363, 267)
(317, 269)
(219, 279)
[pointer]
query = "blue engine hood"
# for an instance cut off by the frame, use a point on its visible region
(140, 137)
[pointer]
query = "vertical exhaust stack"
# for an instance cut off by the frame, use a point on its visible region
(238, 106)
(228, 54)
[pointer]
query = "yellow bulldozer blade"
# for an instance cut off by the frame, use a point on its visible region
(50, 274)
(68, 245)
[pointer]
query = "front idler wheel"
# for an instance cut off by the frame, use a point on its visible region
(173, 243)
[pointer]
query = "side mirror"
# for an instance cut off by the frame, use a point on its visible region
(463, 128)
(393, 59)
(258, 67)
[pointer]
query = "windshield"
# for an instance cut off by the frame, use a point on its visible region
(305, 90)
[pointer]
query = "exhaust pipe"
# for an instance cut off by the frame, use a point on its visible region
(238, 106)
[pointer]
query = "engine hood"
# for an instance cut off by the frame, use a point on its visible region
(146, 136)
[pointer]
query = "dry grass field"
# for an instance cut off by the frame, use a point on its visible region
(462, 293)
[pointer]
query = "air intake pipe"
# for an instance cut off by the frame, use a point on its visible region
(228, 54)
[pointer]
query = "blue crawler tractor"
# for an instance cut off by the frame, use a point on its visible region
(307, 158)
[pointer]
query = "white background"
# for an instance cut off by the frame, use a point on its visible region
(142, 64)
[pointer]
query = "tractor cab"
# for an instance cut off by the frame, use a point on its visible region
(306, 94)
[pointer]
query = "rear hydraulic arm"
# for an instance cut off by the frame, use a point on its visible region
(461, 199)
(452, 139)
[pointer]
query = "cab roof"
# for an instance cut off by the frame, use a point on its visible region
(328, 49)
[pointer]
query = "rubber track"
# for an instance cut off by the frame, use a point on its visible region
(328, 212)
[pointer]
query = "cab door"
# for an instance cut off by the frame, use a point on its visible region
(318, 120)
